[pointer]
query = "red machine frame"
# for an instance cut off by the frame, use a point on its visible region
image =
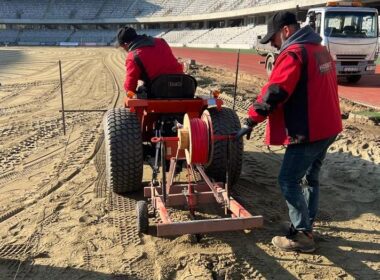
(193, 193)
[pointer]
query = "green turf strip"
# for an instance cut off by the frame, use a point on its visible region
(370, 114)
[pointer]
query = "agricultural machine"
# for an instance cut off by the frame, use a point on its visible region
(177, 132)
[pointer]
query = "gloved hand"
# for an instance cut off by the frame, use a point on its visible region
(142, 92)
(246, 129)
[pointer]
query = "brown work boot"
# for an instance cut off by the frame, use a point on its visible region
(301, 242)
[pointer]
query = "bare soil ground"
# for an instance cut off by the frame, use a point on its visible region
(58, 220)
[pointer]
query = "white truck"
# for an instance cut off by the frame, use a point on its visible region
(350, 33)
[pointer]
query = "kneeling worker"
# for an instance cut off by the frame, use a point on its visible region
(147, 59)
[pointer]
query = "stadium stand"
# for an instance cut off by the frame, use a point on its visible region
(153, 32)
(182, 37)
(92, 36)
(43, 36)
(18, 9)
(209, 22)
(73, 9)
(182, 8)
(100, 9)
(115, 9)
(8, 36)
(216, 36)
(244, 35)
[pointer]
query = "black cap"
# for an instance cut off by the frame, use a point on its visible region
(276, 22)
(125, 35)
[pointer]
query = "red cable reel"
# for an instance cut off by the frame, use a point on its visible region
(194, 138)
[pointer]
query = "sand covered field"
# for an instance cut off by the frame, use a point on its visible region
(59, 221)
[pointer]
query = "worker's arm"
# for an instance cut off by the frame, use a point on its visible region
(281, 85)
(132, 76)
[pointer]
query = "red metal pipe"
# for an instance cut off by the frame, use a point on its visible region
(162, 211)
(206, 226)
(164, 139)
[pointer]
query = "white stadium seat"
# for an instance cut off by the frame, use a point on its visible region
(99, 11)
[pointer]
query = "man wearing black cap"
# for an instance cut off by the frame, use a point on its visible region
(147, 59)
(301, 103)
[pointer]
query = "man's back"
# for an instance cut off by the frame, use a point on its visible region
(157, 59)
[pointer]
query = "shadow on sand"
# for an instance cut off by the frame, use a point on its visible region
(339, 202)
(13, 269)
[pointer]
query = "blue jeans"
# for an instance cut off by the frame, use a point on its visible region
(303, 161)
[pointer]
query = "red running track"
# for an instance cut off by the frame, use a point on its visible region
(366, 91)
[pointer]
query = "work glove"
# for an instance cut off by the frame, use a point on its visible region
(142, 92)
(246, 129)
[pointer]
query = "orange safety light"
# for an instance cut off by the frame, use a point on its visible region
(332, 4)
(131, 94)
(355, 3)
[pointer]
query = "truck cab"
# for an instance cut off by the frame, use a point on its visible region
(350, 33)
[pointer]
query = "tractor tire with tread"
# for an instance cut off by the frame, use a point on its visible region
(225, 122)
(123, 149)
(142, 216)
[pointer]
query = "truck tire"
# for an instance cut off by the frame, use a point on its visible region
(225, 122)
(123, 149)
(269, 64)
(142, 216)
(353, 79)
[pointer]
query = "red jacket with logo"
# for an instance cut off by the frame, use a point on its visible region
(156, 57)
(301, 98)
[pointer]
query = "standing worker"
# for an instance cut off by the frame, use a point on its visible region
(301, 103)
(147, 59)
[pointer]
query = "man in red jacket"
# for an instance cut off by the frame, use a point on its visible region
(147, 59)
(301, 103)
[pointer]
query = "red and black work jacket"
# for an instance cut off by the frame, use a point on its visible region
(301, 98)
(147, 59)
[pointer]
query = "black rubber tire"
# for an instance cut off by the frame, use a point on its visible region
(142, 216)
(269, 64)
(123, 149)
(353, 79)
(225, 122)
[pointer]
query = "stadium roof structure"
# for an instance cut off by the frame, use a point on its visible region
(141, 11)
